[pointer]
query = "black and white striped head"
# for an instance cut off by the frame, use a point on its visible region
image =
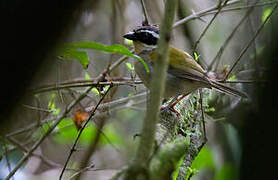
(148, 35)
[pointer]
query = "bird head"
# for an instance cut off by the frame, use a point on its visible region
(144, 37)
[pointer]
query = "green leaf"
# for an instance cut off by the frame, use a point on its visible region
(266, 14)
(68, 53)
(95, 90)
(68, 133)
(114, 48)
(87, 76)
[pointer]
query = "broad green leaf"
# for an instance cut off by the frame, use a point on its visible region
(114, 48)
(68, 53)
(266, 14)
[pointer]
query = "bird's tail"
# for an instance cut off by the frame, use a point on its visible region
(227, 89)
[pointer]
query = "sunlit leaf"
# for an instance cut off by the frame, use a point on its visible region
(196, 56)
(129, 66)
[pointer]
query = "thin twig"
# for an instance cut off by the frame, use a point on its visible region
(220, 6)
(241, 7)
(203, 116)
(50, 129)
(24, 149)
(146, 21)
(36, 108)
(92, 148)
(81, 171)
(202, 13)
(249, 43)
(245, 81)
(80, 132)
(221, 49)
(93, 84)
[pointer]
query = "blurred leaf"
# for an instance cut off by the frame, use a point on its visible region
(111, 134)
(232, 78)
(266, 13)
(94, 90)
(68, 133)
(52, 106)
(226, 172)
(68, 53)
(87, 76)
(204, 159)
(114, 48)
(129, 66)
(211, 109)
(260, 50)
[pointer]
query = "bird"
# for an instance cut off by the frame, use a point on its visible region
(184, 75)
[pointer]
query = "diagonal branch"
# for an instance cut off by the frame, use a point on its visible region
(221, 50)
(80, 132)
(219, 6)
(250, 42)
(50, 129)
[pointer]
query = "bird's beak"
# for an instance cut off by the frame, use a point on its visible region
(130, 35)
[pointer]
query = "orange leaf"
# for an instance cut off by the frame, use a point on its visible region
(79, 117)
